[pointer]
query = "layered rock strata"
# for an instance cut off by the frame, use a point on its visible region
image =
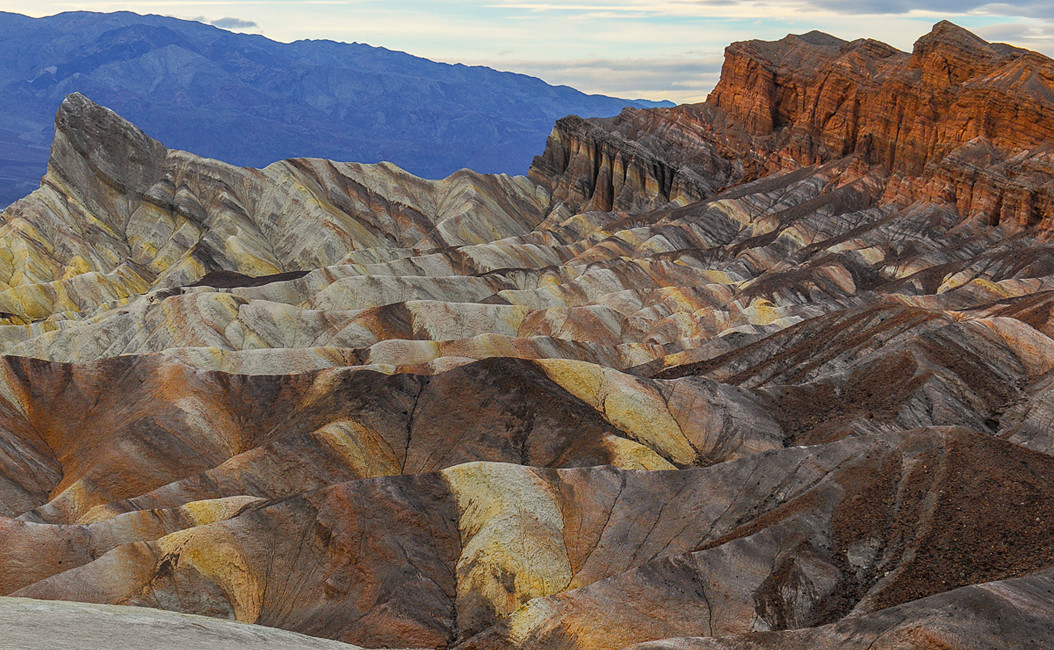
(752, 373)
(958, 121)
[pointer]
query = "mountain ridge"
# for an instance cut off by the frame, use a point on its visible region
(252, 101)
(976, 140)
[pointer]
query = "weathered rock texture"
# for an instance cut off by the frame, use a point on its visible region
(962, 618)
(772, 371)
(958, 121)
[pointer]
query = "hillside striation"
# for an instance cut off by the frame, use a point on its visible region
(772, 371)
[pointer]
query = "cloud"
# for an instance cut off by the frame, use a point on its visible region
(233, 23)
(228, 23)
(657, 49)
(634, 9)
(683, 78)
(1035, 36)
(1029, 8)
(777, 8)
(900, 6)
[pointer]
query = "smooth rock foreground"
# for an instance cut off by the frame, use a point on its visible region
(42, 625)
(767, 372)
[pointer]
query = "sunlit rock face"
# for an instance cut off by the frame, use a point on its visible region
(765, 372)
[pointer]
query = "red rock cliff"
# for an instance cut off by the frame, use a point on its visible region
(958, 120)
(899, 110)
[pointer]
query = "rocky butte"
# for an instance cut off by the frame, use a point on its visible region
(772, 371)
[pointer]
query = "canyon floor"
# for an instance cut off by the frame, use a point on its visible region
(772, 371)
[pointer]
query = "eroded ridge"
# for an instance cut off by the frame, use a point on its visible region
(770, 371)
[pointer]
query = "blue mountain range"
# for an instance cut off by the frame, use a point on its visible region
(248, 100)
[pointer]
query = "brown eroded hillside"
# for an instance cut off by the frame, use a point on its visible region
(772, 371)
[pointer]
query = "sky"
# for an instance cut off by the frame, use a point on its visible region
(627, 48)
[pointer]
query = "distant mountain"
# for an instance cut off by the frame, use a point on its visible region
(251, 101)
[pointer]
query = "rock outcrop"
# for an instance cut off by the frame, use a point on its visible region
(897, 110)
(958, 121)
(757, 373)
(118, 214)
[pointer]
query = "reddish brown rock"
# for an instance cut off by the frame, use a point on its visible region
(770, 371)
(500, 555)
(958, 120)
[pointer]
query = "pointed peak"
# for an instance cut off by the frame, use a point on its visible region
(76, 109)
(816, 37)
(950, 54)
(80, 117)
(947, 27)
(86, 132)
(947, 34)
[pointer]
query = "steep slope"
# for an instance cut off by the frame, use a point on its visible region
(248, 100)
(989, 615)
(117, 205)
(958, 121)
(718, 376)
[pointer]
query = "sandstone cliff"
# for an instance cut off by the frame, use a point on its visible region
(898, 110)
(958, 121)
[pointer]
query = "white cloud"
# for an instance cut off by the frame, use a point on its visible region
(228, 23)
(680, 79)
(233, 23)
(1032, 35)
(668, 49)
